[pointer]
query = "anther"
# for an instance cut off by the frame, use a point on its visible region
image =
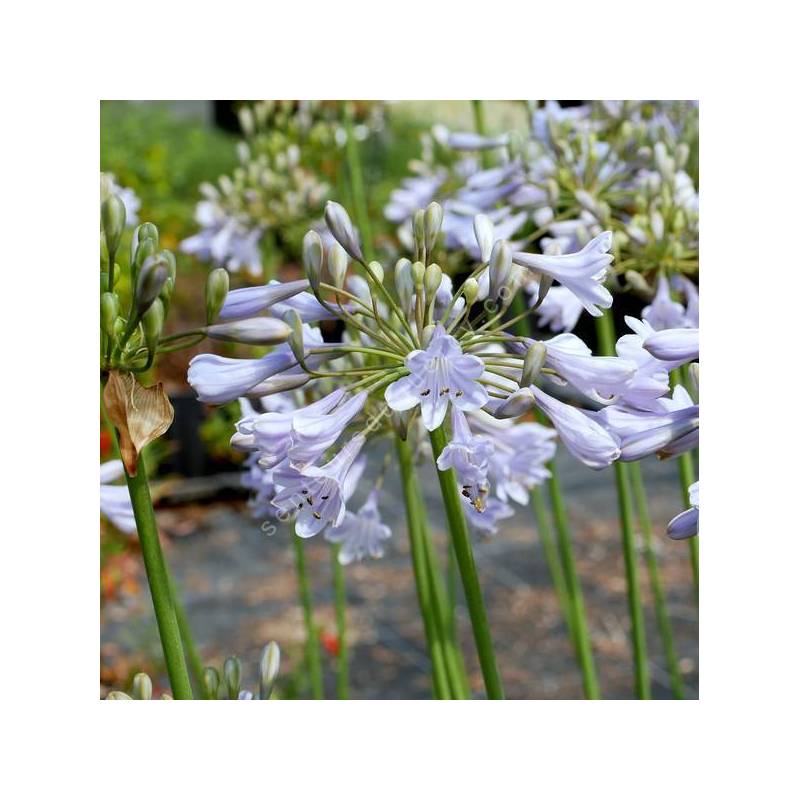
(424, 392)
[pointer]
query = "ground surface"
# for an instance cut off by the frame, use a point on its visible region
(239, 588)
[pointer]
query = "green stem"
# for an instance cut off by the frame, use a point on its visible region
(357, 186)
(340, 601)
(580, 626)
(606, 336)
(415, 520)
(192, 653)
(469, 575)
(659, 599)
(551, 556)
(158, 580)
(313, 658)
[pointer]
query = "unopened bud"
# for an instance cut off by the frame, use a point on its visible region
(418, 274)
(433, 279)
(638, 284)
(142, 687)
(694, 378)
(145, 249)
(499, 268)
(247, 121)
(118, 696)
(434, 214)
(427, 333)
(533, 363)
(256, 331)
(484, 235)
(112, 215)
(682, 155)
(296, 343)
(151, 280)
(268, 669)
(312, 258)
(232, 672)
(403, 282)
(377, 271)
(211, 682)
(337, 265)
(470, 291)
(418, 229)
(516, 404)
(217, 286)
(657, 224)
(342, 229)
(153, 322)
(109, 311)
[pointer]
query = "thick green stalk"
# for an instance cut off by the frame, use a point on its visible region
(469, 574)
(192, 653)
(158, 580)
(415, 520)
(580, 626)
(340, 602)
(480, 127)
(605, 335)
(313, 658)
(659, 600)
(551, 556)
(357, 187)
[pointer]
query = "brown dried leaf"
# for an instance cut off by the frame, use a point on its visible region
(139, 413)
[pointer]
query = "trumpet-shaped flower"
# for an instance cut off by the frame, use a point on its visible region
(676, 345)
(664, 312)
(361, 533)
(115, 501)
(316, 496)
(560, 309)
(583, 273)
(440, 374)
(276, 298)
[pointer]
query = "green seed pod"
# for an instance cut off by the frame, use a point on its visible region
(112, 215)
(432, 223)
(433, 279)
(142, 687)
(217, 286)
(470, 291)
(153, 322)
(211, 682)
(232, 672)
(268, 670)
(418, 274)
(109, 311)
(533, 363)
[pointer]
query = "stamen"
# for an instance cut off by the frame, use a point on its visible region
(325, 496)
(310, 501)
(424, 392)
(459, 393)
(317, 515)
(444, 391)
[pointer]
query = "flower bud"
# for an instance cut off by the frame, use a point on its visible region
(247, 121)
(418, 229)
(694, 378)
(312, 258)
(533, 363)
(418, 274)
(337, 265)
(217, 286)
(434, 214)
(144, 250)
(153, 322)
(403, 282)
(232, 672)
(109, 311)
(427, 333)
(112, 215)
(342, 229)
(657, 225)
(433, 279)
(172, 265)
(118, 696)
(470, 291)
(256, 330)
(516, 404)
(151, 280)
(296, 343)
(211, 682)
(377, 270)
(484, 235)
(499, 268)
(638, 284)
(142, 687)
(268, 669)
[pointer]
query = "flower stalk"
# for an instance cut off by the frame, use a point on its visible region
(313, 658)
(469, 574)
(340, 603)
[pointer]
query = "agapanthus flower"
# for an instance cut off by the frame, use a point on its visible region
(275, 298)
(115, 501)
(676, 345)
(440, 374)
(687, 523)
(316, 496)
(361, 533)
(489, 519)
(559, 311)
(664, 312)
